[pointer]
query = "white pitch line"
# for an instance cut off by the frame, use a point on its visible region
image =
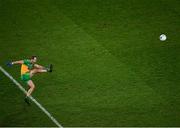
(34, 100)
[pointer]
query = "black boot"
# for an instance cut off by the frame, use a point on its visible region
(50, 68)
(27, 100)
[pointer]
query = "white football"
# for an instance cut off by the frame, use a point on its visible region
(162, 37)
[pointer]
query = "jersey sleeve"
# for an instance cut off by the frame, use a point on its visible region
(26, 61)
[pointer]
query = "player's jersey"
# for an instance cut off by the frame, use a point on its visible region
(26, 66)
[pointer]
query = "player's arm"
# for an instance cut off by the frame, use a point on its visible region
(17, 62)
(9, 64)
(38, 66)
(48, 69)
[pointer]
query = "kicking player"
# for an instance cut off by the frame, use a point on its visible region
(28, 69)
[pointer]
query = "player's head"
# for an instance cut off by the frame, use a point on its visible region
(33, 59)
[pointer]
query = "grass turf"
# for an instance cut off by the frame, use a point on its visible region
(110, 69)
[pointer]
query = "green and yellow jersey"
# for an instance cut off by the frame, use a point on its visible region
(25, 70)
(26, 66)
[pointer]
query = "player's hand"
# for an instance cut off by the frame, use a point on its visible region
(9, 64)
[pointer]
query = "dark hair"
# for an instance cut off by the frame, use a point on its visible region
(32, 57)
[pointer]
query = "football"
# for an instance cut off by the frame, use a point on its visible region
(162, 37)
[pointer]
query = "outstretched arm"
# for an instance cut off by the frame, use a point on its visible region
(39, 66)
(17, 62)
(9, 64)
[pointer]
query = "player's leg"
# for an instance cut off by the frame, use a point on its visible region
(41, 70)
(36, 70)
(30, 90)
(49, 68)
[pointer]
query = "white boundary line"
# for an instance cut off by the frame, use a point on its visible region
(34, 100)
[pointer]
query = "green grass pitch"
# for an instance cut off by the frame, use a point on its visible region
(110, 68)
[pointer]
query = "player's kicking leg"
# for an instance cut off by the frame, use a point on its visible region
(40, 69)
